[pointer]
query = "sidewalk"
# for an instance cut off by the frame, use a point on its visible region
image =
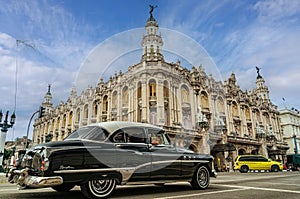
(226, 177)
(3, 179)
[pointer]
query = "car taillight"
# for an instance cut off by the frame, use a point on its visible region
(43, 166)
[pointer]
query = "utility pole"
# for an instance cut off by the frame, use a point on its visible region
(26, 143)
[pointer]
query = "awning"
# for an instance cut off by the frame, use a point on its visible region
(223, 147)
(276, 152)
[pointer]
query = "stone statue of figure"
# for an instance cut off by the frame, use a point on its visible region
(257, 70)
(200, 116)
(151, 9)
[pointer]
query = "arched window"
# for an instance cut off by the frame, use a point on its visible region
(78, 115)
(204, 100)
(247, 113)
(267, 118)
(258, 116)
(58, 123)
(125, 97)
(166, 89)
(241, 152)
(86, 112)
(52, 125)
(114, 100)
(139, 90)
(64, 121)
(166, 103)
(186, 107)
(220, 105)
(105, 104)
(152, 88)
(234, 109)
(139, 102)
(185, 95)
(95, 108)
(70, 118)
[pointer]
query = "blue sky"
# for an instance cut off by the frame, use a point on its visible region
(59, 34)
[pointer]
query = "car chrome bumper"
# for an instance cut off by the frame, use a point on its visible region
(24, 180)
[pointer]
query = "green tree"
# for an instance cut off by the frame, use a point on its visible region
(7, 154)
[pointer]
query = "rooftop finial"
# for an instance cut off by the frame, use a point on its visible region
(49, 87)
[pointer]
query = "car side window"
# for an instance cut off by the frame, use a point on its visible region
(119, 137)
(157, 137)
(248, 159)
(135, 135)
(262, 159)
(243, 159)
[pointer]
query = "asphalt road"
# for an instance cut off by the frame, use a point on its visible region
(228, 185)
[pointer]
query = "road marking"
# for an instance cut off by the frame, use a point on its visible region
(199, 194)
(282, 183)
(258, 188)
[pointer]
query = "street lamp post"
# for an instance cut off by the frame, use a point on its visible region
(4, 128)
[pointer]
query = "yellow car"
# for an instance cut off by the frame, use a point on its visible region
(244, 163)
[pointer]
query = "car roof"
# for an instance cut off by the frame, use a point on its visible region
(115, 125)
(250, 156)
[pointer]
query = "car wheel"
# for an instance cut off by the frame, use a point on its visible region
(98, 188)
(274, 168)
(201, 178)
(63, 187)
(244, 169)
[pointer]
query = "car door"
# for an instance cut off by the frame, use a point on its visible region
(264, 163)
(133, 151)
(166, 163)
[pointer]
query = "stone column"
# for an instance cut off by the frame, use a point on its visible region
(230, 119)
(160, 102)
(145, 102)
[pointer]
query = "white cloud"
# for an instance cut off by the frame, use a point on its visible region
(54, 46)
(266, 34)
(239, 35)
(274, 10)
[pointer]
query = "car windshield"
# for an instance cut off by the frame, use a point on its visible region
(94, 133)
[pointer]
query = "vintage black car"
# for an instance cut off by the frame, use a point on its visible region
(100, 156)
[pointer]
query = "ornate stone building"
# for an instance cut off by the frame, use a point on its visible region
(290, 124)
(197, 111)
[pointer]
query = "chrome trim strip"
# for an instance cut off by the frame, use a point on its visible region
(126, 172)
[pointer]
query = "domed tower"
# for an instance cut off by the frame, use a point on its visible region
(261, 89)
(47, 104)
(152, 42)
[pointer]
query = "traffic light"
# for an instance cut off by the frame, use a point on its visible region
(41, 111)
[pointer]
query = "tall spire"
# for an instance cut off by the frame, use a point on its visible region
(152, 42)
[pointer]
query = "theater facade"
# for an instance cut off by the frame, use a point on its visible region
(198, 112)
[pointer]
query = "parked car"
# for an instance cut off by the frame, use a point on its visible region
(244, 163)
(100, 156)
(293, 162)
